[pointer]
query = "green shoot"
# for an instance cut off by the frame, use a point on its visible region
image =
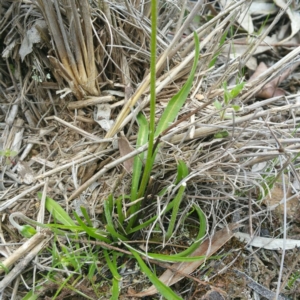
(9, 155)
(294, 276)
(228, 97)
(149, 160)
(112, 264)
(57, 211)
(25, 230)
(162, 288)
(177, 201)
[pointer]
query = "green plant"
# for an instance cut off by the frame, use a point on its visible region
(228, 97)
(9, 155)
(262, 27)
(120, 223)
(121, 227)
(294, 276)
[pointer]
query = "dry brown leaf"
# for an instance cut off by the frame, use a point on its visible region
(294, 17)
(271, 88)
(207, 248)
(125, 148)
(276, 197)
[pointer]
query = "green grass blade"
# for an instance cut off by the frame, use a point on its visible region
(57, 211)
(222, 41)
(149, 159)
(91, 231)
(111, 265)
(34, 294)
(137, 166)
(182, 171)
(119, 204)
(108, 207)
(92, 269)
(86, 216)
(151, 220)
(138, 160)
(116, 276)
(177, 201)
(171, 258)
(141, 226)
(142, 139)
(110, 225)
(165, 258)
(162, 288)
(115, 290)
(177, 101)
(114, 233)
(237, 89)
(188, 251)
(200, 236)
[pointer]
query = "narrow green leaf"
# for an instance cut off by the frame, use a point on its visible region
(4, 268)
(182, 171)
(115, 290)
(162, 288)
(137, 167)
(167, 258)
(149, 157)
(236, 90)
(119, 204)
(33, 295)
(213, 61)
(218, 105)
(141, 226)
(59, 226)
(221, 134)
(177, 201)
(227, 97)
(151, 220)
(138, 160)
(112, 264)
(108, 216)
(57, 211)
(223, 38)
(236, 107)
(177, 101)
(86, 216)
(114, 233)
(110, 203)
(200, 236)
(92, 270)
(91, 231)
(173, 258)
(27, 231)
(222, 41)
(108, 207)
